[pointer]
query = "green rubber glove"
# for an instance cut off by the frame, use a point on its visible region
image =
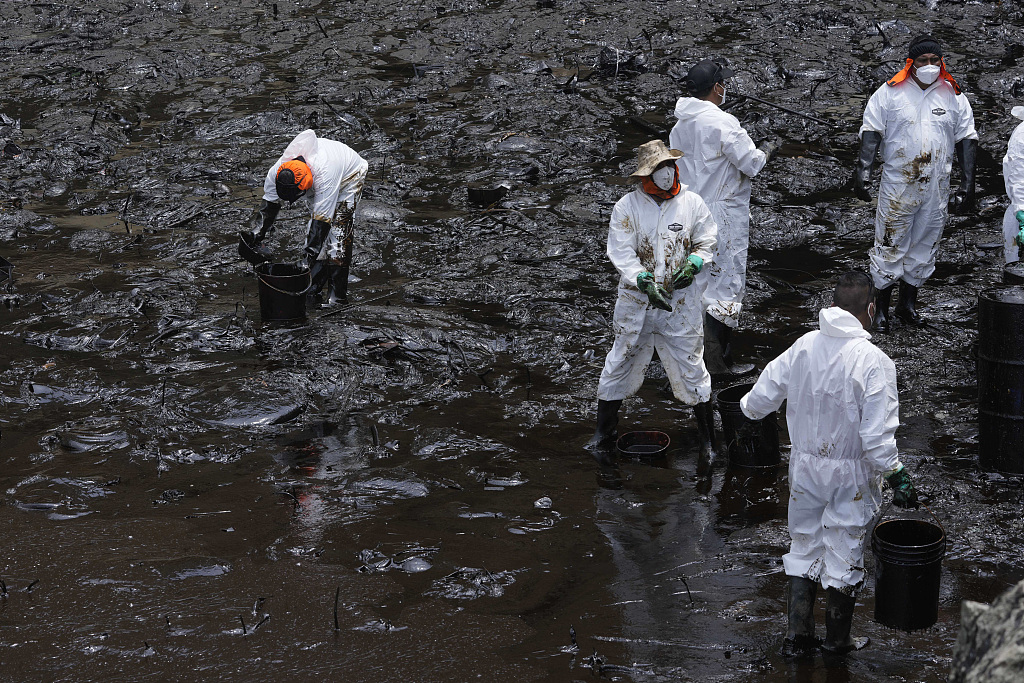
(1019, 239)
(683, 277)
(904, 495)
(656, 294)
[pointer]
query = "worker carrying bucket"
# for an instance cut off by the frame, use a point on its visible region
(660, 237)
(330, 175)
(842, 410)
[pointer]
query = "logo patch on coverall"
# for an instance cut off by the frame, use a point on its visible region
(675, 227)
(938, 111)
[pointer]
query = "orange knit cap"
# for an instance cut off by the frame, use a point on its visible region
(293, 178)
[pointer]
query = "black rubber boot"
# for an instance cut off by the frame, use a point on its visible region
(725, 340)
(318, 271)
(718, 349)
(800, 638)
(714, 354)
(838, 621)
(705, 415)
(882, 299)
(607, 420)
(337, 281)
(906, 307)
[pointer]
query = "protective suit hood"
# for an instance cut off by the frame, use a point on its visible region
(1018, 112)
(688, 107)
(838, 322)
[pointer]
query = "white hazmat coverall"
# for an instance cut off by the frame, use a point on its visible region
(338, 175)
(1013, 176)
(718, 161)
(920, 129)
(646, 236)
(842, 411)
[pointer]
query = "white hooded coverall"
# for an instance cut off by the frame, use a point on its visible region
(646, 236)
(338, 175)
(718, 161)
(1013, 176)
(842, 411)
(920, 129)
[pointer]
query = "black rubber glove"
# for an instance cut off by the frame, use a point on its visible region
(265, 216)
(318, 231)
(870, 140)
(966, 156)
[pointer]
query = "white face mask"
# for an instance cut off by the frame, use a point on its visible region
(928, 74)
(665, 177)
(723, 95)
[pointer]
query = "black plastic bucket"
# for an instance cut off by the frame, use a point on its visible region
(282, 291)
(643, 444)
(750, 443)
(908, 565)
(249, 251)
(1000, 367)
(1013, 273)
(6, 270)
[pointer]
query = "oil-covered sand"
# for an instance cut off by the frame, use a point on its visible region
(398, 490)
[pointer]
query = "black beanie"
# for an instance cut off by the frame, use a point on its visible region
(922, 45)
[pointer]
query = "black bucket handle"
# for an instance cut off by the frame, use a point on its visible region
(888, 505)
(302, 292)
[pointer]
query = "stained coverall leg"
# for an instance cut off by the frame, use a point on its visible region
(925, 234)
(1010, 229)
(682, 356)
(727, 274)
(631, 353)
(894, 220)
(831, 505)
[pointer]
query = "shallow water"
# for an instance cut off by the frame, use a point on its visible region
(398, 490)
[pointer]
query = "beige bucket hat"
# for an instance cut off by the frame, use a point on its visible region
(650, 154)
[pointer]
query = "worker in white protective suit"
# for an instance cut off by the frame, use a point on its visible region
(919, 117)
(660, 238)
(330, 175)
(1013, 176)
(718, 161)
(842, 409)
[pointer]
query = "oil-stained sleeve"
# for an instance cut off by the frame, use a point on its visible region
(1013, 169)
(880, 408)
(622, 241)
(327, 179)
(269, 184)
(965, 121)
(875, 111)
(741, 151)
(771, 388)
(704, 236)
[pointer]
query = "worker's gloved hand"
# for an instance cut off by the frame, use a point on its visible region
(264, 221)
(869, 143)
(683, 277)
(966, 156)
(656, 294)
(1019, 239)
(963, 201)
(904, 495)
(770, 147)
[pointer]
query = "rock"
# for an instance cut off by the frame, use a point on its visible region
(990, 646)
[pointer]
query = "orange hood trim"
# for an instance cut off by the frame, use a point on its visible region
(905, 74)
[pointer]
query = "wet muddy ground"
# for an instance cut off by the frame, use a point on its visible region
(398, 491)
